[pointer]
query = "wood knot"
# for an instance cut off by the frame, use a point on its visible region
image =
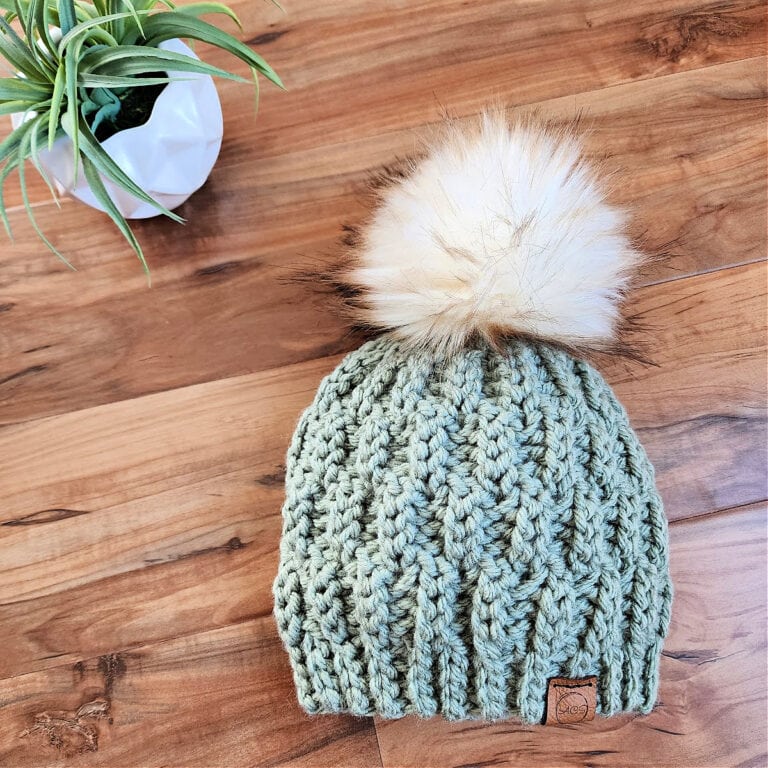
(70, 733)
(671, 38)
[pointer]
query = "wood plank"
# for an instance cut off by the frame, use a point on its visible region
(701, 411)
(139, 531)
(199, 467)
(223, 697)
(712, 706)
(229, 693)
(221, 305)
(368, 56)
(173, 499)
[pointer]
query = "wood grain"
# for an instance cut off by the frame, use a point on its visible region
(219, 698)
(368, 56)
(211, 453)
(143, 431)
(700, 410)
(101, 335)
(225, 697)
(712, 703)
(173, 499)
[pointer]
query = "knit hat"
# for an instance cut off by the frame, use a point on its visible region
(469, 518)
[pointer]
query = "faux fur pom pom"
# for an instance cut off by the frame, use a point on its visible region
(501, 230)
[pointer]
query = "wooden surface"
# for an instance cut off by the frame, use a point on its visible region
(143, 431)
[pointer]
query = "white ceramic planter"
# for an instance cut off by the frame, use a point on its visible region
(169, 157)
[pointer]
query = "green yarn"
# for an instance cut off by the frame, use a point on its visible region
(459, 530)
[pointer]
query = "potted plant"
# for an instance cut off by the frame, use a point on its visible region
(109, 105)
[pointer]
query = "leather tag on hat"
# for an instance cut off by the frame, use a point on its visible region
(571, 700)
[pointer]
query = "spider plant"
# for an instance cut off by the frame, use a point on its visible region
(73, 63)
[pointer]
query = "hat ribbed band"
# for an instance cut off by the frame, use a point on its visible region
(457, 531)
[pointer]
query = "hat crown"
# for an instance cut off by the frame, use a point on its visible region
(459, 529)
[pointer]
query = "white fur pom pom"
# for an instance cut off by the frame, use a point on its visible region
(501, 230)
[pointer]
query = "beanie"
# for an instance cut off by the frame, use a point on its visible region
(471, 527)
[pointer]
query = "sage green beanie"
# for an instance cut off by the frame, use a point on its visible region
(469, 516)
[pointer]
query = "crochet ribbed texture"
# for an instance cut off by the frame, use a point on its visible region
(459, 530)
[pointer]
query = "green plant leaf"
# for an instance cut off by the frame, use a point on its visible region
(104, 45)
(90, 80)
(34, 156)
(12, 107)
(70, 86)
(148, 5)
(166, 26)
(39, 13)
(44, 23)
(136, 60)
(15, 51)
(10, 144)
(101, 194)
(102, 104)
(67, 16)
(24, 151)
(85, 11)
(56, 99)
(109, 168)
(93, 25)
(23, 16)
(5, 172)
(135, 14)
(199, 9)
(17, 88)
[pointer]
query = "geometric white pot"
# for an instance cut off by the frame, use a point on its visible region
(169, 157)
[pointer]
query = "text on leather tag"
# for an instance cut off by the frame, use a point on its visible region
(571, 701)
